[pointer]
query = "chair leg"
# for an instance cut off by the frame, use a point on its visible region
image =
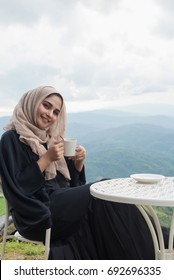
(47, 243)
(6, 222)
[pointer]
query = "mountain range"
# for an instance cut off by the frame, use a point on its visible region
(120, 143)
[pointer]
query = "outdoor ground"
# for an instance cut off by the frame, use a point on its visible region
(15, 250)
(23, 251)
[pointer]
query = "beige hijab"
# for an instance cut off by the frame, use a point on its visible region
(24, 122)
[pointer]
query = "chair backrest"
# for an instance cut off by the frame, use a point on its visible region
(20, 237)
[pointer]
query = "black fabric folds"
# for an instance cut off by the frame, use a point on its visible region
(82, 227)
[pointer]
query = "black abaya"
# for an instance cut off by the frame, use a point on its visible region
(98, 229)
(82, 227)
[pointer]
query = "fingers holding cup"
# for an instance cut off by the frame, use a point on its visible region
(80, 153)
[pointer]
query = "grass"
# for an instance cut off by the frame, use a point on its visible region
(15, 250)
(2, 206)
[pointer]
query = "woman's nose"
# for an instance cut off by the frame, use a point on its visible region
(50, 113)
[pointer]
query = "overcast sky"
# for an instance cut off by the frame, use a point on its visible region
(96, 53)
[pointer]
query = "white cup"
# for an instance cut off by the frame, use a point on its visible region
(69, 146)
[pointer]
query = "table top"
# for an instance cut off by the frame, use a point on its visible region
(128, 190)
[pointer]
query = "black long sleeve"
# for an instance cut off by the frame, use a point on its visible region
(23, 184)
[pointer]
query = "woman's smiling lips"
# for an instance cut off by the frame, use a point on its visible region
(45, 119)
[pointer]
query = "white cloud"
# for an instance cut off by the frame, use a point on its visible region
(100, 52)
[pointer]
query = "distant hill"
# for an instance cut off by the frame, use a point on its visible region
(103, 119)
(150, 109)
(131, 149)
(120, 143)
(3, 122)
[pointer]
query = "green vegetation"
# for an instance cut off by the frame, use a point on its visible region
(165, 215)
(2, 206)
(129, 149)
(15, 250)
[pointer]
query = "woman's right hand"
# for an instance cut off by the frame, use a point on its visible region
(55, 152)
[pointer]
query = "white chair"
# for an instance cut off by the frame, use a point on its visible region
(21, 238)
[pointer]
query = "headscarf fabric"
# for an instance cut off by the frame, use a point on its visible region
(24, 122)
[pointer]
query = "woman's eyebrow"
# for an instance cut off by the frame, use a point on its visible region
(51, 105)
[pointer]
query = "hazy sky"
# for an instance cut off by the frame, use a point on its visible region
(96, 53)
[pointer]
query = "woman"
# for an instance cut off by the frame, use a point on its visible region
(45, 189)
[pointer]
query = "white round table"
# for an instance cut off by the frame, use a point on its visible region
(144, 196)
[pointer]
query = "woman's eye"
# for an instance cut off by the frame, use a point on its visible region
(46, 105)
(56, 113)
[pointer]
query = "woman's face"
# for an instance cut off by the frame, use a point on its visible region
(48, 111)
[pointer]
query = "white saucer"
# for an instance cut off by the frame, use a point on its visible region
(147, 178)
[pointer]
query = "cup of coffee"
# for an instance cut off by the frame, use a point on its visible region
(69, 146)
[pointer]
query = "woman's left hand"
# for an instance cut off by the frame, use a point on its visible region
(80, 153)
(79, 157)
